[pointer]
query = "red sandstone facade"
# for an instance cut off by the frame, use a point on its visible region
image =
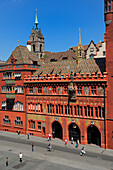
(12, 100)
(84, 110)
(109, 68)
(63, 105)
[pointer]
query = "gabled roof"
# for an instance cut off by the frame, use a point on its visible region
(23, 56)
(66, 66)
(92, 42)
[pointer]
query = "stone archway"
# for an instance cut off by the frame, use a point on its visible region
(93, 135)
(56, 130)
(74, 132)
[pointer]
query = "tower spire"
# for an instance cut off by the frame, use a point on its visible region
(36, 21)
(80, 50)
(79, 38)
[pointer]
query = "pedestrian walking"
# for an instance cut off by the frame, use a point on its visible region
(53, 134)
(65, 141)
(76, 145)
(28, 136)
(49, 147)
(6, 161)
(18, 132)
(78, 141)
(20, 156)
(32, 147)
(72, 141)
(83, 152)
(48, 137)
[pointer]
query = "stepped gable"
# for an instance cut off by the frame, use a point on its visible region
(24, 56)
(66, 66)
(67, 55)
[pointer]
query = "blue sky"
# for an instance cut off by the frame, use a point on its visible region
(59, 21)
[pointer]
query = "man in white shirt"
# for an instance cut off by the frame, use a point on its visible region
(20, 156)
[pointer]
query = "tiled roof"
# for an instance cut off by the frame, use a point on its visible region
(66, 66)
(24, 56)
(84, 47)
(69, 55)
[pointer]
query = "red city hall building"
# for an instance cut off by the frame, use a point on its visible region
(66, 94)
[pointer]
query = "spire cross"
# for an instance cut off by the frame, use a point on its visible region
(18, 42)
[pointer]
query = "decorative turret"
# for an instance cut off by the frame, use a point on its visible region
(109, 64)
(29, 45)
(80, 50)
(108, 11)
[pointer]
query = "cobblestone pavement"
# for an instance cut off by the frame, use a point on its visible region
(57, 159)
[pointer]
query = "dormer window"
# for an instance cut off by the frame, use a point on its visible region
(12, 59)
(34, 62)
(91, 49)
(64, 58)
(71, 49)
(53, 60)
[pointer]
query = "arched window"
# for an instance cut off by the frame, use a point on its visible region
(109, 5)
(92, 56)
(18, 106)
(32, 124)
(40, 47)
(34, 47)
